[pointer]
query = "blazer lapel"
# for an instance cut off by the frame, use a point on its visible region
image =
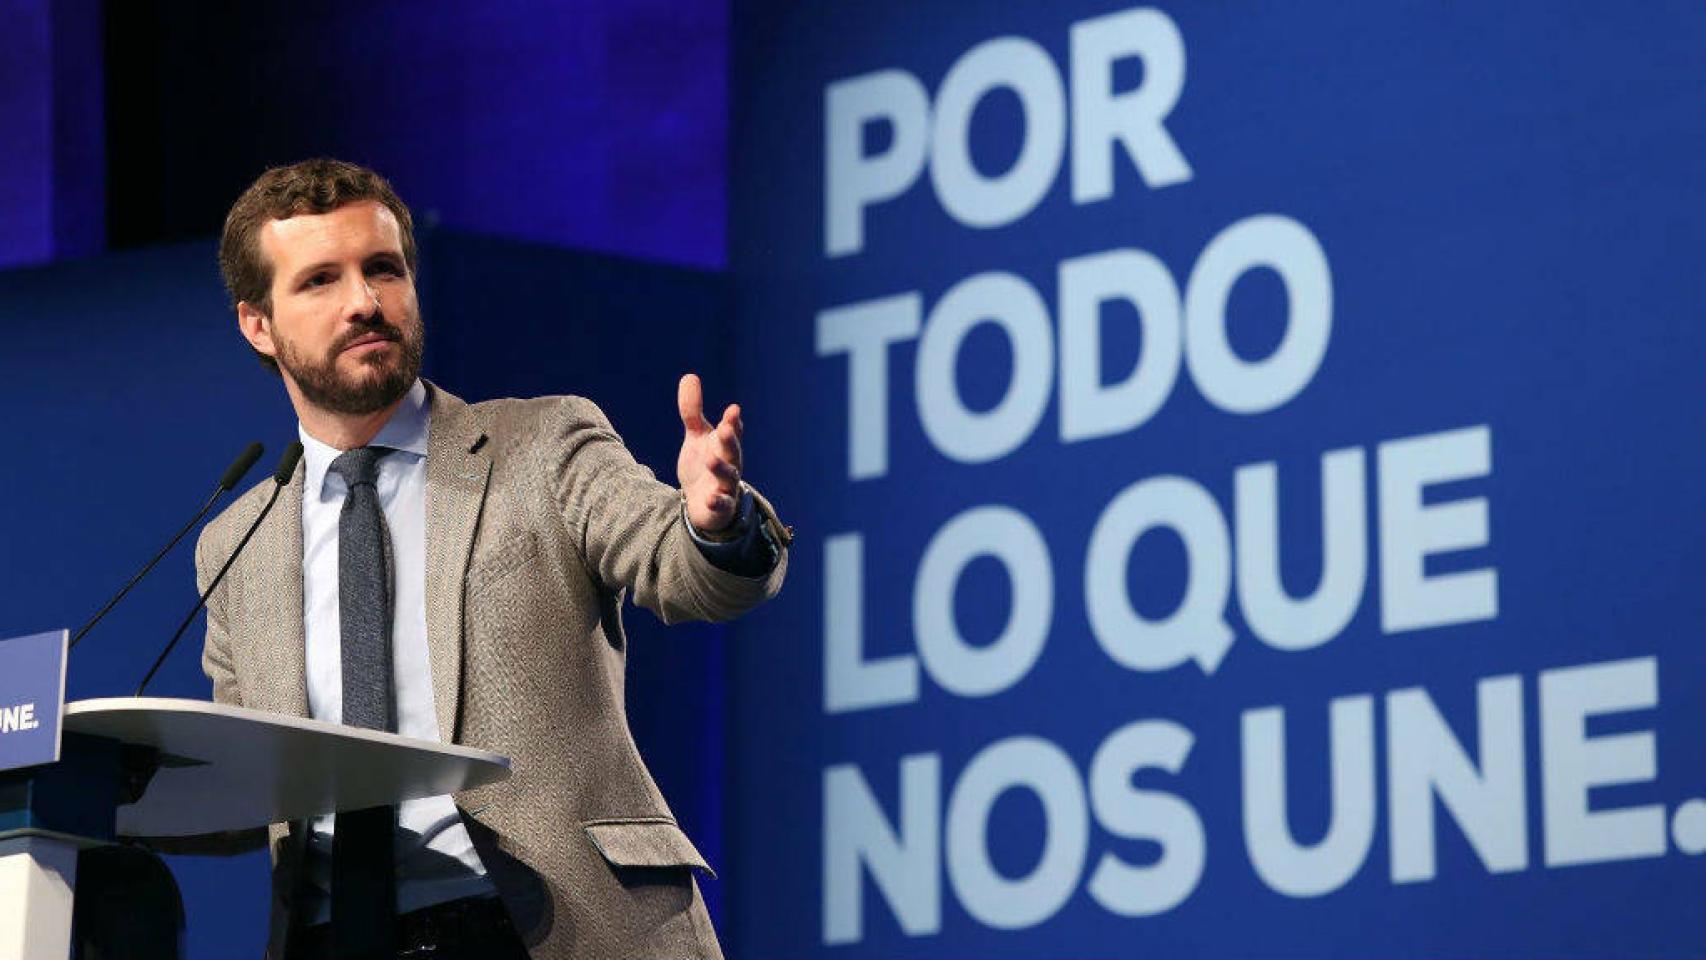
(275, 593)
(455, 492)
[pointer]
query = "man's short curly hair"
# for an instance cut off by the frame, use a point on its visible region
(320, 185)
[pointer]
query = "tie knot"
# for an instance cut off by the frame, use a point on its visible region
(360, 465)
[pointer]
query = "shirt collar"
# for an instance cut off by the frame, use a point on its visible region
(406, 431)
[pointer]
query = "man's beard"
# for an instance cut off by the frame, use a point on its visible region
(323, 386)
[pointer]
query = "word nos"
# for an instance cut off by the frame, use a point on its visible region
(923, 133)
(21, 716)
(1487, 798)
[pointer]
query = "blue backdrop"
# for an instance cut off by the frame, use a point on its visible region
(1056, 673)
(1240, 453)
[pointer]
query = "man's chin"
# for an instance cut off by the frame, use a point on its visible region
(368, 389)
(359, 381)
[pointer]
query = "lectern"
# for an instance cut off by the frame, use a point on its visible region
(155, 767)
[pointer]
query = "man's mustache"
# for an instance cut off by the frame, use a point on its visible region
(382, 328)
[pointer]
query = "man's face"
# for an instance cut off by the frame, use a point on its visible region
(345, 327)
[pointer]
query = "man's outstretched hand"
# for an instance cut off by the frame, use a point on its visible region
(709, 466)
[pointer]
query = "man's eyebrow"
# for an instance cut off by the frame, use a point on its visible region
(313, 268)
(310, 270)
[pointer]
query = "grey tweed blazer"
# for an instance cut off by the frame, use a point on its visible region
(538, 522)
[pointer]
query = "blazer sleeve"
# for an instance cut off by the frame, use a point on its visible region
(216, 650)
(628, 525)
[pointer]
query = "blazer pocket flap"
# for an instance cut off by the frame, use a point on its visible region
(515, 552)
(645, 843)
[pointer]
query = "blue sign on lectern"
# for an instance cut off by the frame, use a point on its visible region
(32, 697)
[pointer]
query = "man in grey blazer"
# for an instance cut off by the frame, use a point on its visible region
(514, 529)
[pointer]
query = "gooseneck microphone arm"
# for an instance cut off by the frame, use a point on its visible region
(227, 480)
(281, 477)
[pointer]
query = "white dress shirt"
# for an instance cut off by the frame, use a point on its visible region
(436, 860)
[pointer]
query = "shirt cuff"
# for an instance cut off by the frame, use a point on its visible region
(742, 548)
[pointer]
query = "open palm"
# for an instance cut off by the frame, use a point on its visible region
(708, 468)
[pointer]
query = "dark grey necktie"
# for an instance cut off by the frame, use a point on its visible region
(364, 886)
(364, 594)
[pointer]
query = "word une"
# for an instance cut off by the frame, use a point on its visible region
(18, 717)
(1487, 797)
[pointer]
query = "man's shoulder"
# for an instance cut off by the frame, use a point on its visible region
(223, 531)
(532, 418)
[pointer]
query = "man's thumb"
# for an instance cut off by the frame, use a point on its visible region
(690, 403)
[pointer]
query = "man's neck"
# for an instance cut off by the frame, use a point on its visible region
(343, 431)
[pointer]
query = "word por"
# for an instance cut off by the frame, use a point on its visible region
(918, 135)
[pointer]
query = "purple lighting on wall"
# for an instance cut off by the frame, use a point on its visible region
(52, 162)
(593, 125)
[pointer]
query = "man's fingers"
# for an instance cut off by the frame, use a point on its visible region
(712, 502)
(723, 471)
(728, 443)
(690, 403)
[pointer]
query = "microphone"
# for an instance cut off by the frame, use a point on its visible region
(240, 466)
(281, 477)
(227, 481)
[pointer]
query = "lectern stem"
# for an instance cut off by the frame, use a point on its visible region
(37, 878)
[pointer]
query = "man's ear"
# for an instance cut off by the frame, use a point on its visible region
(256, 328)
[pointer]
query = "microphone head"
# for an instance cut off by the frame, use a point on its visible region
(240, 466)
(287, 463)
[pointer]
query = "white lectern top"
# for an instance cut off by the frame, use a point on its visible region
(229, 768)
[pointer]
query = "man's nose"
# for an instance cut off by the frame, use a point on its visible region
(362, 300)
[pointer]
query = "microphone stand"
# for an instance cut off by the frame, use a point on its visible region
(281, 477)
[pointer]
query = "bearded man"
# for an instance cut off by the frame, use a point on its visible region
(456, 572)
